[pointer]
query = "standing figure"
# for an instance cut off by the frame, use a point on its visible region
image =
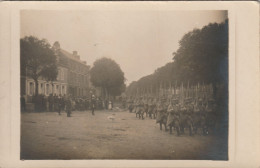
(60, 103)
(154, 108)
(86, 104)
(63, 103)
(109, 105)
(106, 104)
(161, 117)
(170, 116)
(130, 105)
(93, 104)
(145, 104)
(68, 106)
(140, 110)
(51, 102)
(55, 103)
(150, 107)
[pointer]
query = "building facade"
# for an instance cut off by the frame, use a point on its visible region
(73, 77)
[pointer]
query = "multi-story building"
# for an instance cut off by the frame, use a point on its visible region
(77, 72)
(73, 77)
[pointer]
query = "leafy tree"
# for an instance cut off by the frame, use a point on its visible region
(116, 91)
(203, 55)
(38, 59)
(132, 88)
(107, 74)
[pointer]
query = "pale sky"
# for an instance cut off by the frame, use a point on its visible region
(139, 41)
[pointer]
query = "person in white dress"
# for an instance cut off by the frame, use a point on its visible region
(110, 105)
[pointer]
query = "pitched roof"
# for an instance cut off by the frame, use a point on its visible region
(70, 56)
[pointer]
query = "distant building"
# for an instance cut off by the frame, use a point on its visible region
(73, 77)
(77, 72)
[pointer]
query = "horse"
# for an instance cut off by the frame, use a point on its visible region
(186, 122)
(199, 122)
(140, 112)
(130, 108)
(146, 109)
(150, 110)
(173, 121)
(210, 123)
(161, 118)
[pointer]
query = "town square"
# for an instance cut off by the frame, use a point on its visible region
(124, 85)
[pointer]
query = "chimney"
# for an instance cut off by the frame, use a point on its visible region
(75, 55)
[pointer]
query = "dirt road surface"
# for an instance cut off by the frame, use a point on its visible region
(83, 136)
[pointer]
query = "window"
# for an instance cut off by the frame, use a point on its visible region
(58, 76)
(42, 88)
(47, 89)
(57, 89)
(31, 88)
(62, 74)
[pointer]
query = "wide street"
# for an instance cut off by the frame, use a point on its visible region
(47, 135)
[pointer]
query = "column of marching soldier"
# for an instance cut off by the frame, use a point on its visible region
(189, 114)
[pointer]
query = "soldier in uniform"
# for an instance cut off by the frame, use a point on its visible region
(63, 102)
(135, 105)
(161, 115)
(141, 108)
(124, 102)
(51, 102)
(44, 103)
(86, 103)
(145, 106)
(150, 107)
(138, 107)
(60, 103)
(68, 106)
(172, 120)
(154, 106)
(130, 105)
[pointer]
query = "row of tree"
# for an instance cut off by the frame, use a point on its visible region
(202, 57)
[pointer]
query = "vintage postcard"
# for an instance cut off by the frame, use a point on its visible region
(131, 84)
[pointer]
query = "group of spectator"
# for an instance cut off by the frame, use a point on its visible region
(56, 103)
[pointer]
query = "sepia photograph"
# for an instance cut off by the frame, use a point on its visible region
(132, 85)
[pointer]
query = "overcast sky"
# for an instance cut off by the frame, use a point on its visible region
(138, 41)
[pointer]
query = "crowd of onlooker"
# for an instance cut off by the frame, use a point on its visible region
(54, 103)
